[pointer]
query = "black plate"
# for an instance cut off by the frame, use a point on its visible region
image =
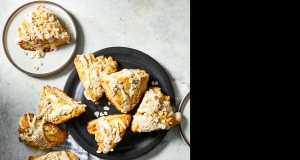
(132, 144)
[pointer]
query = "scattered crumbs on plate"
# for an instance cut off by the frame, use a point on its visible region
(40, 63)
(25, 53)
(36, 67)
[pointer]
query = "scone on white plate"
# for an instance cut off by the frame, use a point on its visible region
(125, 88)
(154, 112)
(56, 155)
(41, 31)
(57, 107)
(90, 69)
(108, 130)
(36, 132)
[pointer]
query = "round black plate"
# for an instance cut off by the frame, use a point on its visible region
(132, 145)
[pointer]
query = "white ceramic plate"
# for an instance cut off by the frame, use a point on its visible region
(53, 61)
(184, 126)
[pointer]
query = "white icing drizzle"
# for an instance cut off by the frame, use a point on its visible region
(34, 134)
(93, 77)
(115, 85)
(114, 134)
(152, 115)
(42, 30)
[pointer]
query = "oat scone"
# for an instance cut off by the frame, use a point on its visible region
(42, 32)
(36, 132)
(155, 112)
(125, 88)
(56, 155)
(90, 69)
(108, 130)
(57, 107)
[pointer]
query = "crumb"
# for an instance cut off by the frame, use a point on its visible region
(40, 63)
(96, 114)
(105, 113)
(101, 114)
(106, 108)
(36, 67)
(25, 53)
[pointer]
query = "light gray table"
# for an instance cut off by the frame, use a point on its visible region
(159, 28)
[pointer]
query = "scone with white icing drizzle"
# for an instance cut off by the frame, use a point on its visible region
(90, 69)
(125, 88)
(35, 131)
(154, 112)
(56, 155)
(42, 32)
(57, 107)
(108, 130)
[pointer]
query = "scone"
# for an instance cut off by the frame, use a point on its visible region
(57, 107)
(35, 131)
(90, 70)
(41, 31)
(56, 155)
(155, 112)
(125, 88)
(108, 130)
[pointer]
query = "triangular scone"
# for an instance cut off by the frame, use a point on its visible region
(35, 131)
(57, 107)
(41, 31)
(108, 130)
(125, 88)
(90, 70)
(154, 113)
(56, 155)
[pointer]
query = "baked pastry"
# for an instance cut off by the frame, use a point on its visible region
(125, 88)
(108, 130)
(56, 155)
(41, 31)
(35, 131)
(90, 70)
(154, 112)
(57, 107)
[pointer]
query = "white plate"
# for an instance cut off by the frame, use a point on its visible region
(53, 61)
(184, 126)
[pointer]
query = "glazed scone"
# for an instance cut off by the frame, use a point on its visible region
(35, 131)
(90, 70)
(57, 107)
(108, 130)
(56, 155)
(154, 112)
(125, 88)
(42, 32)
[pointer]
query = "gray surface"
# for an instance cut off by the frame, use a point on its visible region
(159, 28)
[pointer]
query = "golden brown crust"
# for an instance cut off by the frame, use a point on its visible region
(41, 30)
(90, 70)
(111, 130)
(38, 133)
(154, 112)
(125, 88)
(57, 107)
(61, 155)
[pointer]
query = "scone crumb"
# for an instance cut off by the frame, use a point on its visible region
(40, 63)
(105, 113)
(25, 53)
(36, 67)
(154, 83)
(96, 113)
(106, 108)
(101, 114)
